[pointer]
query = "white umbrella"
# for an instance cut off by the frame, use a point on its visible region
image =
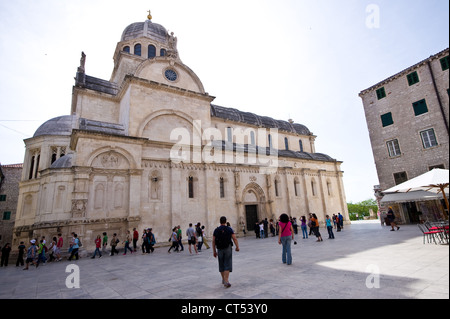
(435, 181)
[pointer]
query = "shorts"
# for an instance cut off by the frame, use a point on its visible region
(225, 257)
(29, 260)
(192, 241)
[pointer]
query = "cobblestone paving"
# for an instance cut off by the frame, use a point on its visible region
(365, 261)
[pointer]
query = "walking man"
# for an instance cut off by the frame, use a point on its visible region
(192, 238)
(222, 237)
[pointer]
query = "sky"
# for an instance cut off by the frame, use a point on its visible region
(305, 60)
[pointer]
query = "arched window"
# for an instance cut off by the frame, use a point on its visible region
(329, 188)
(30, 175)
(126, 49)
(137, 49)
(313, 188)
(286, 143)
(162, 52)
(37, 165)
(191, 187)
(276, 182)
(296, 187)
(222, 187)
(151, 51)
(300, 143)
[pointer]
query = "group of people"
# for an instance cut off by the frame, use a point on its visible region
(263, 227)
(35, 254)
(222, 241)
(196, 238)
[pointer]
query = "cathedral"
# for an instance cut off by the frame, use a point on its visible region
(149, 148)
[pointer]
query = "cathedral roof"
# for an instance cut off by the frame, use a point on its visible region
(146, 29)
(63, 162)
(257, 120)
(61, 125)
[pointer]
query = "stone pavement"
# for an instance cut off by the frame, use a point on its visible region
(396, 264)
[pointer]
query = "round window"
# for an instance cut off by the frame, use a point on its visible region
(171, 75)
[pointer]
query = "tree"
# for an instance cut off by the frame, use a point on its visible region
(362, 208)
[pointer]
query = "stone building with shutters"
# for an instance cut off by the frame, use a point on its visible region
(10, 176)
(407, 117)
(148, 148)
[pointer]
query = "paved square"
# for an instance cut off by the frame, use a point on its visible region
(363, 252)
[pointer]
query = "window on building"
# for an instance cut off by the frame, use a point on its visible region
(126, 49)
(191, 187)
(229, 134)
(30, 175)
(296, 187)
(163, 52)
(386, 119)
(393, 148)
(270, 141)
(420, 107)
(329, 189)
(252, 138)
(276, 188)
(300, 144)
(222, 187)
(413, 78)
(6, 215)
(445, 63)
(2, 198)
(400, 177)
(313, 188)
(286, 143)
(137, 49)
(151, 51)
(381, 93)
(37, 165)
(428, 138)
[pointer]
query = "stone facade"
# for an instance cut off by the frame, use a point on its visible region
(9, 192)
(407, 117)
(149, 149)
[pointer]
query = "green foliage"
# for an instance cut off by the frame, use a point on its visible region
(362, 208)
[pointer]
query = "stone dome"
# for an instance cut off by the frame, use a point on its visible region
(63, 162)
(146, 29)
(61, 125)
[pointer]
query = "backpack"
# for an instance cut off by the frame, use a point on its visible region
(223, 237)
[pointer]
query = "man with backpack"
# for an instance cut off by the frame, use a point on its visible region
(222, 240)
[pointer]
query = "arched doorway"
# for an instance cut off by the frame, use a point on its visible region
(254, 202)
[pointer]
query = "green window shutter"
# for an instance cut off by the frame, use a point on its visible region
(445, 63)
(420, 107)
(386, 119)
(413, 78)
(6, 215)
(381, 93)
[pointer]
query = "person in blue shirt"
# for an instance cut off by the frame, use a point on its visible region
(75, 246)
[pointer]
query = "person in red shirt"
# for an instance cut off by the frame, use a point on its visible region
(98, 244)
(135, 238)
(59, 245)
